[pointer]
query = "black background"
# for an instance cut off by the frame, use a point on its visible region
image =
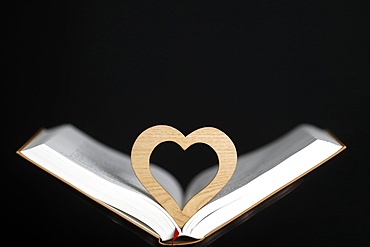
(254, 69)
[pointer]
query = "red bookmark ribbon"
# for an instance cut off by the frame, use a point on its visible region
(175, 235)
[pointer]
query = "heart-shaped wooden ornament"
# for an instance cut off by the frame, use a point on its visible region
(213, 137)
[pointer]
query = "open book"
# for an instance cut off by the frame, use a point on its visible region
(106, 176)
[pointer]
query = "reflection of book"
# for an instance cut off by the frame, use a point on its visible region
(106, 176)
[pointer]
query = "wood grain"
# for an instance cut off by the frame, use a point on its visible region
(145, 144)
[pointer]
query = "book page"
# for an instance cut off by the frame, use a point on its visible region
(108, 163)
(255, 163)
(220, 211)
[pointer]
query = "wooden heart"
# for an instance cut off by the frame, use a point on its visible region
(153, 136)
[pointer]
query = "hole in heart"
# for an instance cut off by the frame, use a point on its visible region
(185, 165)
